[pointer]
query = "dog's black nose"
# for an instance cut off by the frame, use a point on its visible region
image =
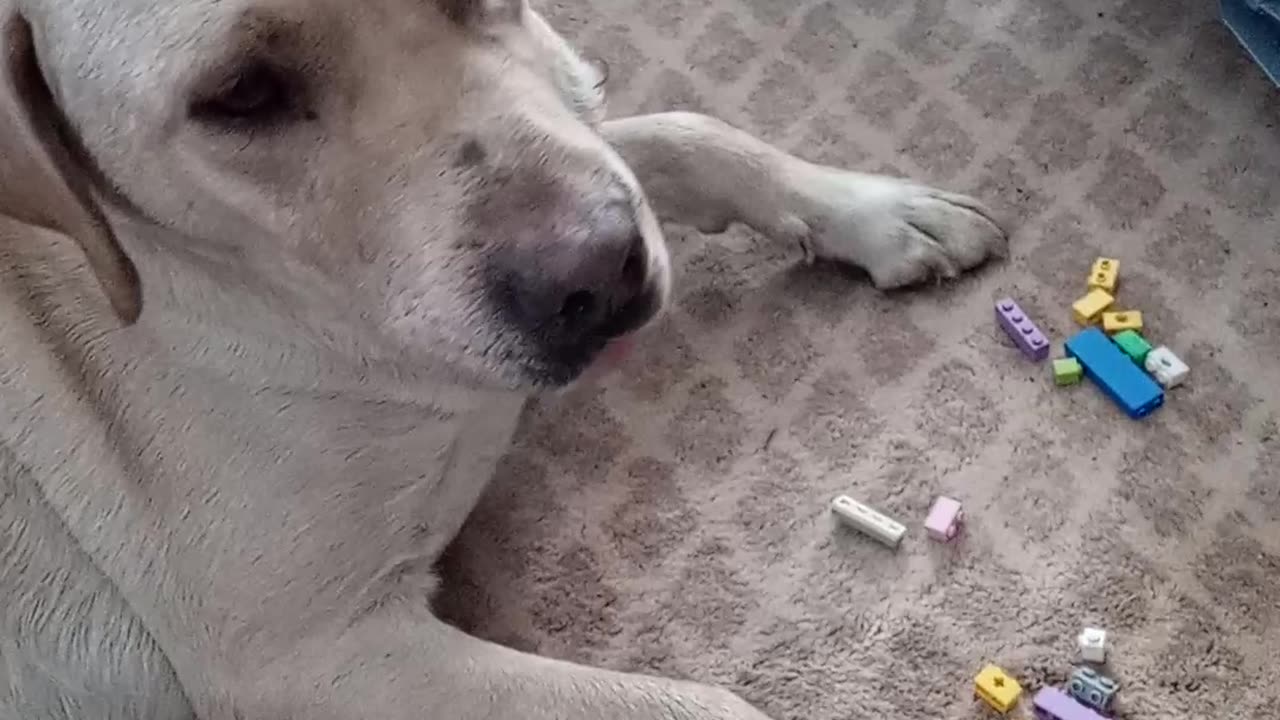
(572, 295)
(585, 291)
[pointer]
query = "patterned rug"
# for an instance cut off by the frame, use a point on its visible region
(675, 520)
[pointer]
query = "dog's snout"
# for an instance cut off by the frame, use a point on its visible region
(573, 289)
(590, 286)
(571, 295)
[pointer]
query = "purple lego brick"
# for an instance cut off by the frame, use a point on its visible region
(1053, 704)
(944, 519)
(1025, 334)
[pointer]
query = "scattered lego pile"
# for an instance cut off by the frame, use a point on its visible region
(1123, 364)
(1113, 357)
(1088, 692)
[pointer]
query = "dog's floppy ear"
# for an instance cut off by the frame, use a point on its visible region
(42, 181)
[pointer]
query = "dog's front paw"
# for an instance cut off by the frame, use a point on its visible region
(901, 233)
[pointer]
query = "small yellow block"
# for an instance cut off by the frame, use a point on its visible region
(1104, 274)
(1114, 322)
(998, 689)
(1086, 309)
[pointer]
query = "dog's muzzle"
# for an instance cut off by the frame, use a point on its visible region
(569, 300)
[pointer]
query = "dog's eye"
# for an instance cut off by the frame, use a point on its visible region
(258, 94)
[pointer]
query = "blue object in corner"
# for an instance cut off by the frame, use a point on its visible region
(1256, 24)
(1117, 375)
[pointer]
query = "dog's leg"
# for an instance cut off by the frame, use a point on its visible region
(405, 665)
(702, 172)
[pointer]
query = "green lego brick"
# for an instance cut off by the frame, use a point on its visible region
(1133, 345)
(1067, 371)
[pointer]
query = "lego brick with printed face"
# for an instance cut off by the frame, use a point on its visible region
(1113, 372)
(1104, 274)
(1168, 368)
(1114, 322)
(1087, 309)
(1021, 330)
(1053, 704)
(1132, 344)
(997, 689)
(1092, 689)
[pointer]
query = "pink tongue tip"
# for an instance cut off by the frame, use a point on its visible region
(616, 351)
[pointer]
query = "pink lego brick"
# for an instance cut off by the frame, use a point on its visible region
(1019, 327)
(944, 520)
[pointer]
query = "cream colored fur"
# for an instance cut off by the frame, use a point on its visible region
(249, 384)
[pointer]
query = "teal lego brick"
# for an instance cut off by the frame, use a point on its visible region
(1133, 345)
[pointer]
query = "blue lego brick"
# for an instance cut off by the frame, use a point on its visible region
(1113, 371)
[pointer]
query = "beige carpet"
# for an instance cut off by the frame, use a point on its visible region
(675, 521)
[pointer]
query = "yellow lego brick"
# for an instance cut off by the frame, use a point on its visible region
(1114, 322)
(1104, 274)
(1086, 309)
(995, 687)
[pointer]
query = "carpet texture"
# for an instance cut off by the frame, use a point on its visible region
(675, 520)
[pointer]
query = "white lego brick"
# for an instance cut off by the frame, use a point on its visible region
(1168, 369)
(867, 520)
(1093, 645)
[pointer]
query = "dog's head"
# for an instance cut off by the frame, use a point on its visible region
(423, 174)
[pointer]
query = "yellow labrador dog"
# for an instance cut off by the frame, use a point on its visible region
(276, 277)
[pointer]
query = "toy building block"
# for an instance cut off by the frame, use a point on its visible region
(1067, 371)
(1087, 309)
(1133, 345)
(1113, 371)
(868, 521)
(995, 687)
(1093, 645)
(1114, 322)
(1104, 274)
(944, 519)
(1167, 367)
(1019, 327)
(1091, 689)
(1053, 704)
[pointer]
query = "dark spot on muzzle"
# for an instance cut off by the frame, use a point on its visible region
(471, 154)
